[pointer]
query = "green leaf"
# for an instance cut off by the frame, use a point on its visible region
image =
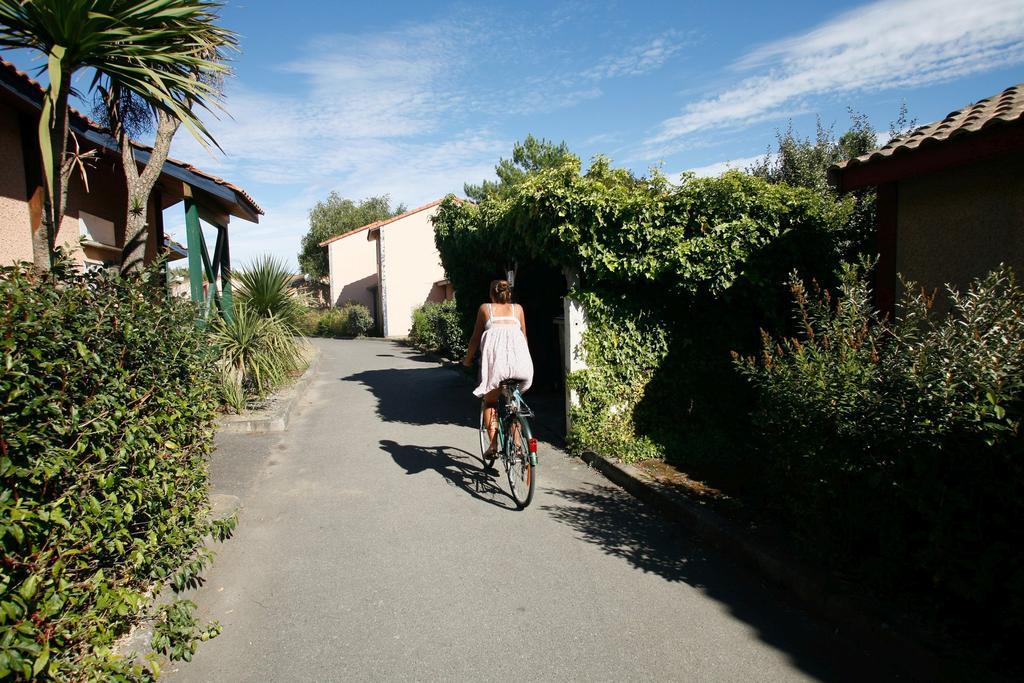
(41, 660)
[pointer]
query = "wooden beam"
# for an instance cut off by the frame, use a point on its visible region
(194, 240)
(227, 300)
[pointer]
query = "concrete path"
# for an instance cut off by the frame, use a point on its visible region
(372, 547)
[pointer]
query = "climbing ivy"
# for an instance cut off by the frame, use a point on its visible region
(672, 278)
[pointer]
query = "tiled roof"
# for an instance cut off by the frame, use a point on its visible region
(378, 224)
(35, 91)
(998, 110)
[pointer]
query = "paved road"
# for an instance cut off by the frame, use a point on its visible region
(371, 547)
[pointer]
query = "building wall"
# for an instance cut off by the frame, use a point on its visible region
(958, 224)
(106, 198)
(411, 266)
(15, 228)
(353, 264)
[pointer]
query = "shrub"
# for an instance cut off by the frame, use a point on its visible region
(264, 288)
(356, 319)
(672, 277)
(897, 448)
(257, 353)
(422, 332)
(330, 324)
(436, 327)
(107, 398)
(308, 322)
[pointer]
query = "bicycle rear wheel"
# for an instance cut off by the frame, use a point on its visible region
(485, 442)
(520, 461)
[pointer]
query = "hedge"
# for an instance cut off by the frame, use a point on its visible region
(351, 320)
(107, 398)
(672, 279)
(436, 327)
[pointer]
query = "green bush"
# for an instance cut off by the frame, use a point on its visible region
(107, 400)
(257, 353)
(896, 449)
(264, 287)
(437, 327)
(308, 323)
(351, 320)
(356, 320)
(330, 324)
(672, 278)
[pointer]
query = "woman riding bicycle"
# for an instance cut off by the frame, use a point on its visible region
(500, 333)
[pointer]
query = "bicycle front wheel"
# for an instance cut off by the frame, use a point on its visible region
(520, 463)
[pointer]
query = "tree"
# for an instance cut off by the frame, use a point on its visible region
(336, 216)
(127, 116)
(528, 157)
(804, 162)
(153, 49)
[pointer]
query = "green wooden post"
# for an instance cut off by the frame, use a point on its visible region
(194, 239)
(226, 301)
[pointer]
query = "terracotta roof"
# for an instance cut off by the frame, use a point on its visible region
(32, 89)
(998, 110)
(381, 223)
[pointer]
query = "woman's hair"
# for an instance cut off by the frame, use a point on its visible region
(501, 291)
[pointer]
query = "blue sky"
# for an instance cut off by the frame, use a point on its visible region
(414, 98)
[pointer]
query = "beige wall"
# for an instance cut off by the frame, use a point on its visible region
(353, 264)
(106, 198)
(410, 267)
(15, 228)
(958, 224)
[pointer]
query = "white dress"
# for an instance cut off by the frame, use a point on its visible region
(504, 353)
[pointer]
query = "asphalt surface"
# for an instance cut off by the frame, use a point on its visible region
(371, 546)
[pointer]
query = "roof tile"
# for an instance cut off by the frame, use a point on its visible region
(1006, 107)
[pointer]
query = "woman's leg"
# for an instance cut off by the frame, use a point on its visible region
(491, 416)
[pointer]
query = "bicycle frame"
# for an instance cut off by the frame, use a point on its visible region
(510, 404)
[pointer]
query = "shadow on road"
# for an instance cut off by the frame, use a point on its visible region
(603, 516)
(428, 395)
(613, 521)
(458, 467)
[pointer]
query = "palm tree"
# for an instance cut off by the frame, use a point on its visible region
(127, 115)
(152, 48)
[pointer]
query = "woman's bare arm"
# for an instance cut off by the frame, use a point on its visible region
(522, 319)
(474, 340)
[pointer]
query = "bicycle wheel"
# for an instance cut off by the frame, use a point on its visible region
(485, 442)
(521, 461)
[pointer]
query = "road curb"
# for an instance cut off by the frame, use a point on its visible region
(275, 420)
(861, 622)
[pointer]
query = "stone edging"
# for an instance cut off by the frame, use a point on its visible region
(276, 419)
(811, 588)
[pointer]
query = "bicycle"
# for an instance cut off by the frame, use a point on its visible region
(516, 445)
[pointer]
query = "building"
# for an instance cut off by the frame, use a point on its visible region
(950, 197)
(93, 228)
(390, 266)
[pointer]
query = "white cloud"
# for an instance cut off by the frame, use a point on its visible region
(884, 45)
(386, 112)
(638, 59)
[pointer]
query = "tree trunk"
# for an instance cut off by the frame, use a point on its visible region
(140, 186)
(53, 125)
